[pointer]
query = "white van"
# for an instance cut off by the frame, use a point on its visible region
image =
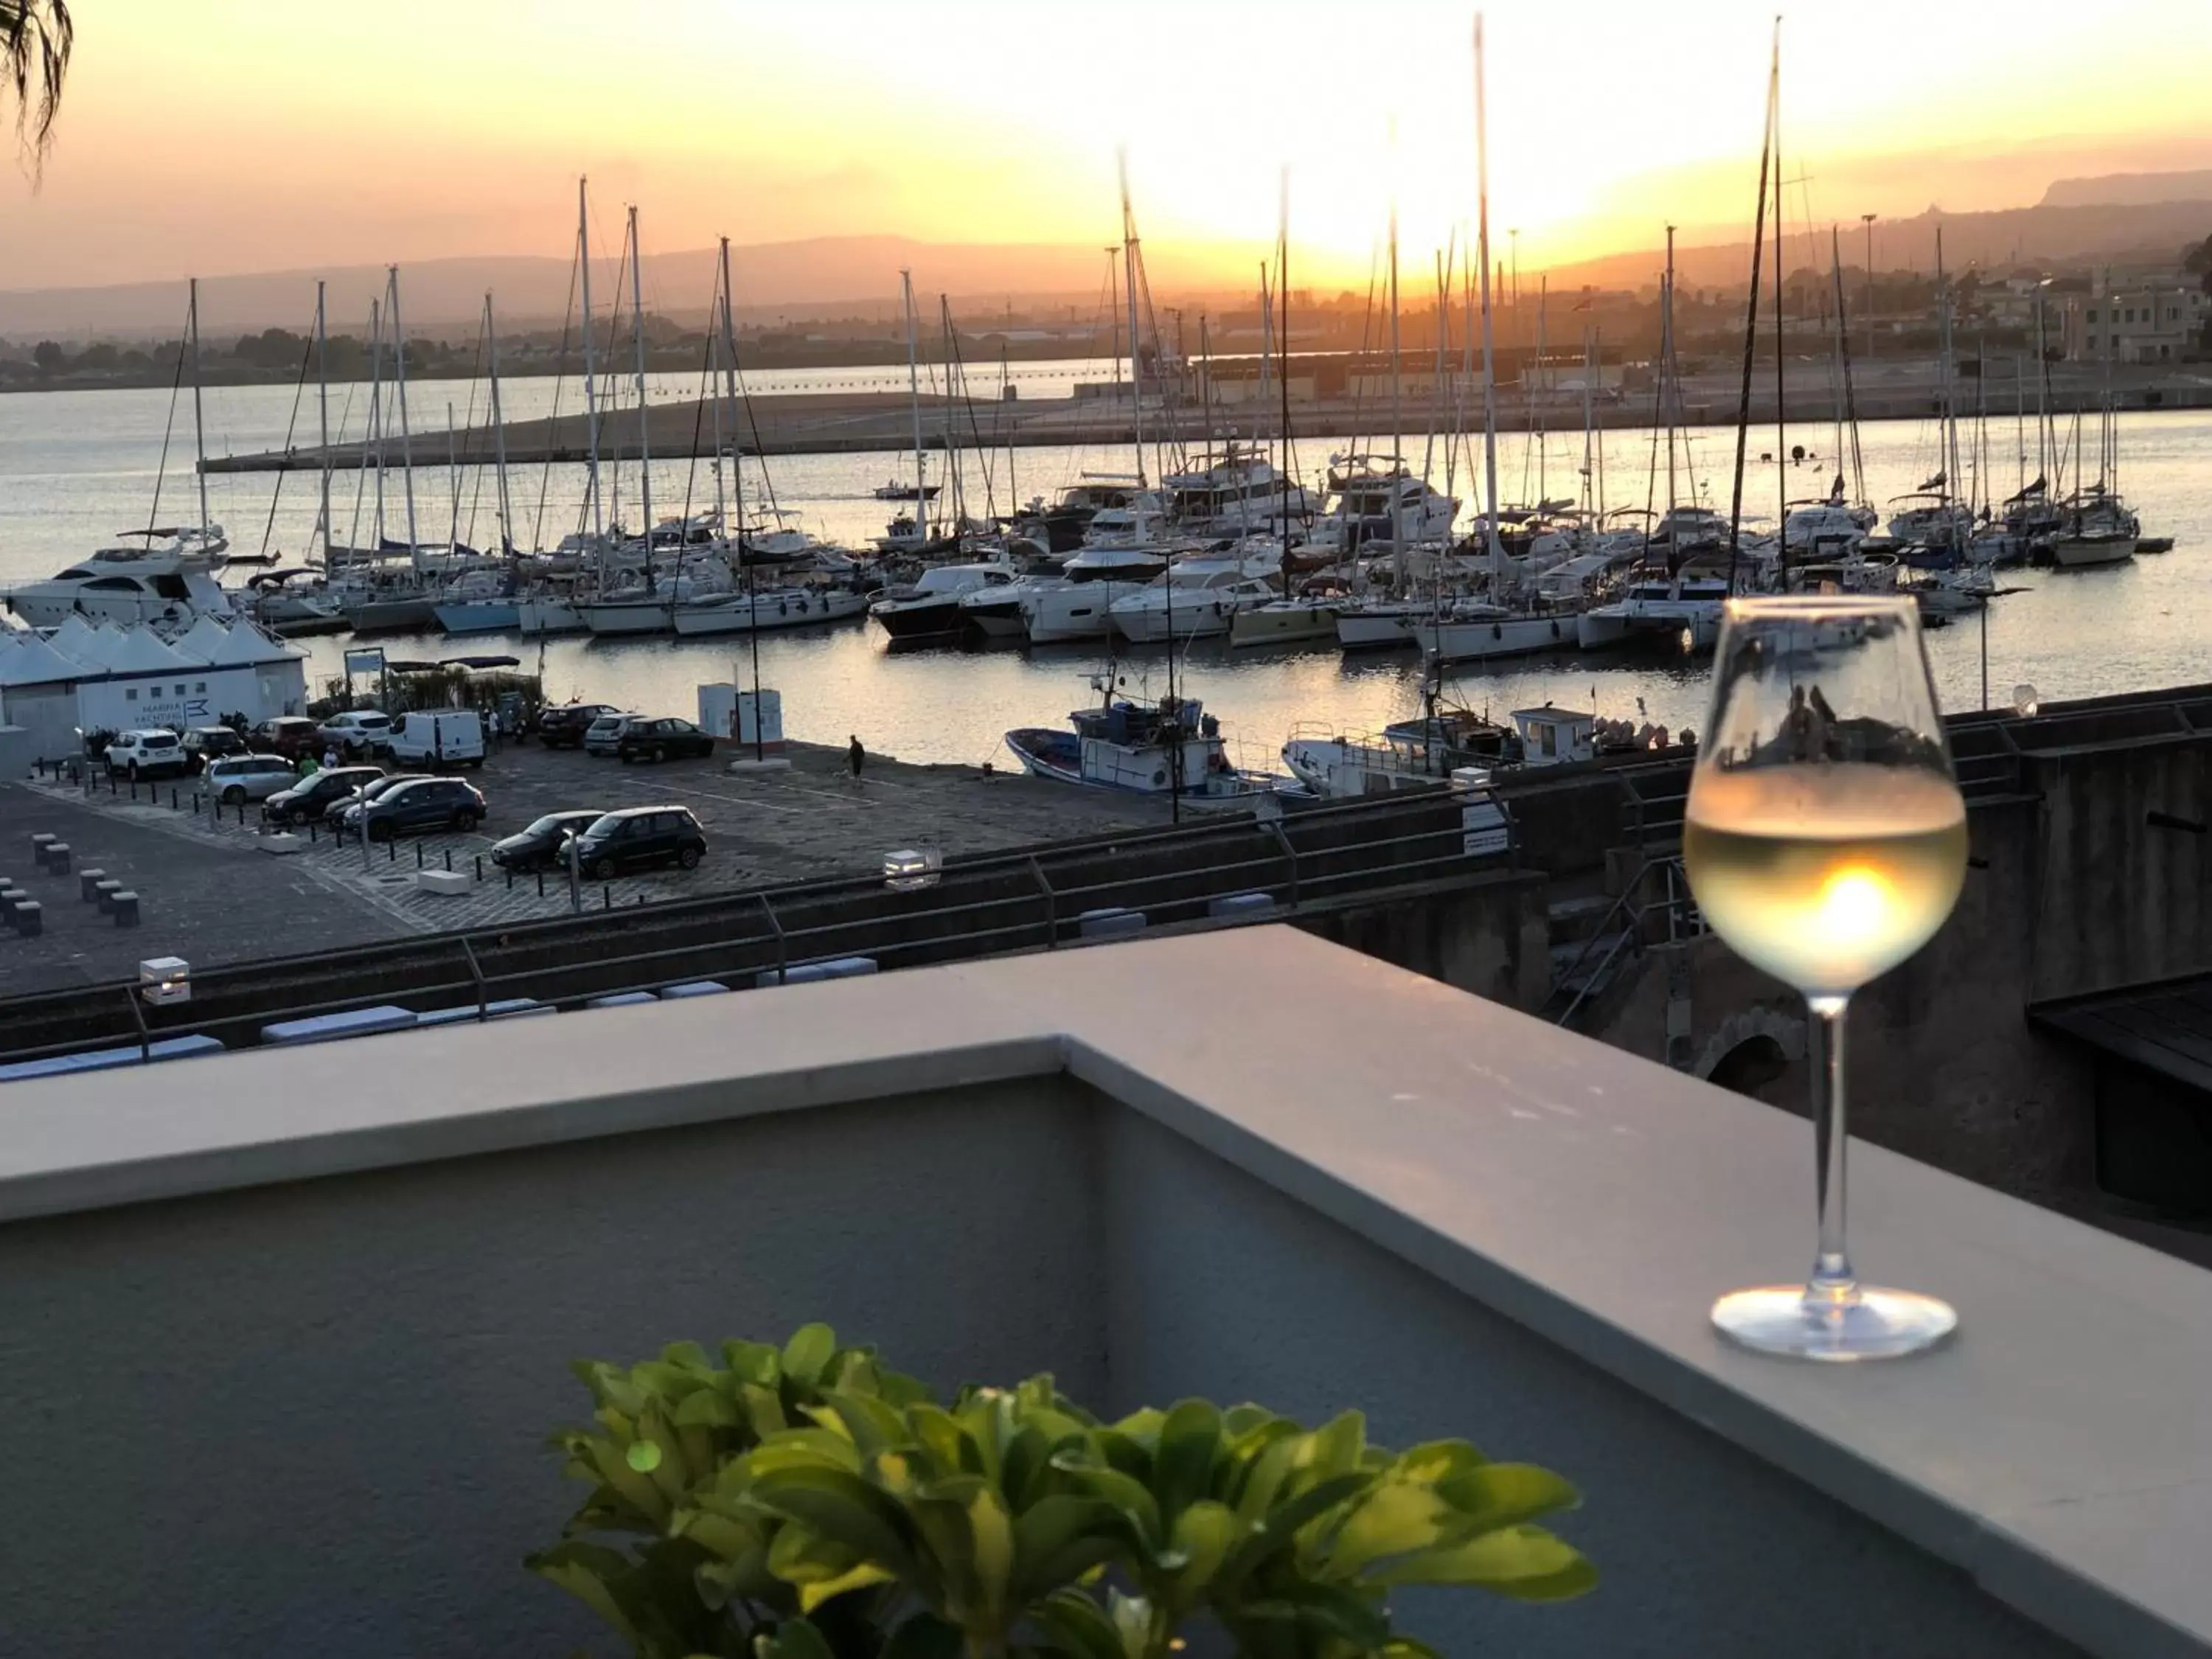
(439, 737)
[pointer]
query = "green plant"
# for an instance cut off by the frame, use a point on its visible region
(824, 1507)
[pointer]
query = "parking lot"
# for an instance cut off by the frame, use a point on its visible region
(809, 819)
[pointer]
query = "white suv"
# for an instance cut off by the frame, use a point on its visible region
(237, 779)
(147, 753)
(362, 731)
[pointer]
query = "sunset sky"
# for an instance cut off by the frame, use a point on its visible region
(235, 136)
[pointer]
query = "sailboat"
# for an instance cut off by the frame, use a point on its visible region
(167, 580)
(485, 601)
(2098, 529)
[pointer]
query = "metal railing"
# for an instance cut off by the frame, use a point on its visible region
(994, 904)
(1585, 976)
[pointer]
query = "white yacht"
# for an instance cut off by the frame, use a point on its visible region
(770, 607)
(1240, 495)
(1472, 632)
(1362, 488)
(634, 606)
(930, 609)
(1194, 598)
(169, 587)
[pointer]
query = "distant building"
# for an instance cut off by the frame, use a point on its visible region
(2142, 320)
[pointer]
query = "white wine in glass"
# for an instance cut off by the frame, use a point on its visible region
(1826, 841)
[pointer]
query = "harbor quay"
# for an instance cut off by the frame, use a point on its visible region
(2044, 1044)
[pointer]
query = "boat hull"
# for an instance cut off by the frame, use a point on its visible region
(1475, 640)
(917, 624)
(1291, 625)
(2088, 552)
(392, 615)
(1372, 631)
(616, 620)
(487, 616)
(548, 616)
(768, 611)
(1155, 625)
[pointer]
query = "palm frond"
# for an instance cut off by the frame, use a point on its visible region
(35, 39)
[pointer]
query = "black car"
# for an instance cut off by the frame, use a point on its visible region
(541, 847)
(312, 796)
(662, 739)
(638, 837)
(564, 727)
(202, 743)
(418, 806)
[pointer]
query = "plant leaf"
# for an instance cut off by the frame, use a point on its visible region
(812, 1595)
(810, 1348)
(1182, 1467)
(1525, 1563)
(844, 1509)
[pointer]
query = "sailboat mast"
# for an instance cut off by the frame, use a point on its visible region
(1283, 380)
(1591, 499)
(199, 423)
(406, 438)
(1944, 370)
(591, 381)
(913, 393)
(498, 429)
(376, 411)
(1669, 395)
(644, 420)
(951, 426)
(1129, 287)
(323, 412)
(730, 392)
(1781, 359)
(1397, 426)
(1489, 341)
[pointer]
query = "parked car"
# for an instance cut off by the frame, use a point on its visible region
(358, 732)
(236, 779)
(603, 735)
(662, 739)
(202, 743)
(309, 798)
(415, 806)
(638, 837)
(146, 755)
(542, 846)
(339, 811)
(564, 727)
(289, 735)
(440, 737)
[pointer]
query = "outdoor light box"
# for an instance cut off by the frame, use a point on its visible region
(913, 867)
(165, 979)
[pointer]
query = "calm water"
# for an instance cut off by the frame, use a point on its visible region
(77, 467)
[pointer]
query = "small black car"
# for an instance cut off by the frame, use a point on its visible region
(662, 739)
(202, 743)
(637, 837)
(564, 727)
(309, 798)
(542, 846)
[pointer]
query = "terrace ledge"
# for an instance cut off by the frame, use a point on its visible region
(2057, 1451)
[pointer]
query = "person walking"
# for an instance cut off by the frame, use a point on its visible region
(330, 756)
(856, 757)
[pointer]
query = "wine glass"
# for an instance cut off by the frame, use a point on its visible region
(1826, 841)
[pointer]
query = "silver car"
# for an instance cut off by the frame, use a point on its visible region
(236, 779)
(604, 736)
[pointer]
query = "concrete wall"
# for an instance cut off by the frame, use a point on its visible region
(311, 1419)
(1942, 1065)
(1219, 1286)
(1487, 936)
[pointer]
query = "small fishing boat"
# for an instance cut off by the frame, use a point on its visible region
(1170, 747)
(896, 491)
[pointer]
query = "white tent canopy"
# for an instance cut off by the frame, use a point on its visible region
(244, 645)
(76, 639)
(141, 651)
(203, 639)
(36, 663)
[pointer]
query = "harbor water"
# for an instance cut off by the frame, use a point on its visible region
(77, 468)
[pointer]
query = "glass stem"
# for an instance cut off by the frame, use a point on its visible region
(1833, 1281)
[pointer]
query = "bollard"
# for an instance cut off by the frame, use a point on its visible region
(480, 867)
(418, 855)
(391, 846)
(125, 909)
(134, 789)
(58, 858)
(541, 882)
(196, 800)
(449, 860)
(173, 798)
(311, 836)
(88, 883)
(606, 898)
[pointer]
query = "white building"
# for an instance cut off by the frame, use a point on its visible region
(2142, 321)
(82, 678)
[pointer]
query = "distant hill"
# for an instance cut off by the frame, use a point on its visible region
(853, 274)
(2130, 190)
(2141, 234)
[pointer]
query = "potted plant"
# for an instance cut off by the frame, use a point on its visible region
(807, 1503)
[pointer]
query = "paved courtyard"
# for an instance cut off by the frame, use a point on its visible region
(210, 895)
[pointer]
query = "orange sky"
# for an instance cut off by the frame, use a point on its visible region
(243, 134)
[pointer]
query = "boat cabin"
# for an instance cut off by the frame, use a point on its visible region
(1555, 737)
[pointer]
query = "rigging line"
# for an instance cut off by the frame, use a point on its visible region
(699, 420)
(154, 516)
(1751, 318)
(959, 365)
(560, 374)
(299, 391)
(469, 446)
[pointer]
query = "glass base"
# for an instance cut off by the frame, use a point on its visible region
(1865, 1322)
